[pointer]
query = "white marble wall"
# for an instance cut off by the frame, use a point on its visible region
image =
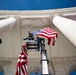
(12, 40)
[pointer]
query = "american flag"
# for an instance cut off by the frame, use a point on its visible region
(21, 68)
(48, 33)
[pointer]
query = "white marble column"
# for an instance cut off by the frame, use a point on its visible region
(6, 24)
(67, 27)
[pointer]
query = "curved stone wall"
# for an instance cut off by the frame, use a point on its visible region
(34, 20)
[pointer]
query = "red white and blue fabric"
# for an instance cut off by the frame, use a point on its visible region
(21, 68)
(48, 33)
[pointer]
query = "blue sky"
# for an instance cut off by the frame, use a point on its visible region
(35, 4)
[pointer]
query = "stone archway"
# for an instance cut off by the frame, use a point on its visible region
(72, 68)
(1, 69)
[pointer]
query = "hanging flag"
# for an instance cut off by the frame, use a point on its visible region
(21, 68)
(48, 33)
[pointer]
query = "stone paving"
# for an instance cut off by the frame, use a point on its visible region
(57, 66)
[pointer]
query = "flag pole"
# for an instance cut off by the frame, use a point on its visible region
(44, 60)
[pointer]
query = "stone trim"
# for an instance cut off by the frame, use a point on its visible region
(37, 12)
